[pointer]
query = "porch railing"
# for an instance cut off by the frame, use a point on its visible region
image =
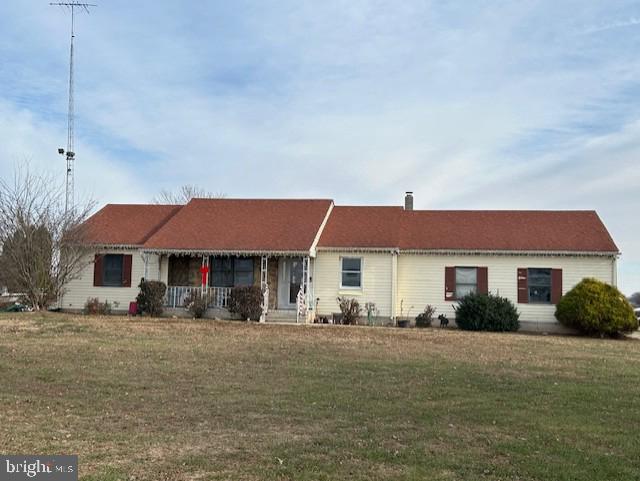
(217, 296)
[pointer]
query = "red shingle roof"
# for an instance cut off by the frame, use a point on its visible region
(557, 231)
(575, 231)
(291, 225)
(127, 224)
(361, 226)
(242, 225)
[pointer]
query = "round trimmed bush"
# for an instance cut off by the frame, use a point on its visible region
(486, 312)
(594, 307)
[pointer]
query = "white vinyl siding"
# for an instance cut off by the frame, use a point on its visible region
(376, 269)
(82, 288)
(421, 279)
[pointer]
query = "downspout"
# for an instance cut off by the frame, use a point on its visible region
(394, 283)
(614, 271)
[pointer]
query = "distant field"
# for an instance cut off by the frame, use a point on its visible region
(186, 400)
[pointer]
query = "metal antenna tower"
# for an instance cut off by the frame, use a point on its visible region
(70, 152)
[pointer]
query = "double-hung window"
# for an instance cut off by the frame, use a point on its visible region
(466, 281)
(539, 281)
(113, 266)
(351, 275)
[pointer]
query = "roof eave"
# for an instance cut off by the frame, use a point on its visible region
(356, 249)
(512, 252)
(104, 245)
(225, 252)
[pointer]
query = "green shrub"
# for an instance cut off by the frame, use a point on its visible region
(350, 309)
(93, 306)
(151, 297)
(594, 307)
(486, 312)
(196, 303)
(425, 318)
(246, 301)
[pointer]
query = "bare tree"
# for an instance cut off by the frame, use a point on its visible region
(42, 244)
(184, 194)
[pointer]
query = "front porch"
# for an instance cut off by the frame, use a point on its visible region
(284, 281)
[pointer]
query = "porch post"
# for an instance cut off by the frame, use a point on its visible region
(145, 259)
(302, 306)
(264, 287)
(309, 301)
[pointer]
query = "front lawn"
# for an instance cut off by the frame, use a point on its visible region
(182, 400)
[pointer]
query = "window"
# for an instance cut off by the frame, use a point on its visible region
(539, 281)
(232, 271)
(243, 271)
(222, 273)
(466, 281)
(112, 270)
(351, 272)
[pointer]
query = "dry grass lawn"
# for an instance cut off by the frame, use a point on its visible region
(190, 400)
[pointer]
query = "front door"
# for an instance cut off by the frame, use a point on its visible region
(289, 281)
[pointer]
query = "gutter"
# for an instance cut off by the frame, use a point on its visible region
(226, 252)
(386, 250)
(510, 252)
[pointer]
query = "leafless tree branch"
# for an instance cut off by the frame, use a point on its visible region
(184, 194)
(42, 246)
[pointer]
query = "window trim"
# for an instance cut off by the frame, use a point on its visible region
(455, 272)
(104, 271)
(341, 270)
(530, 285)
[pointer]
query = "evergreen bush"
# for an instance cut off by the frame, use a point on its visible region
(486, 312)
(594, 307)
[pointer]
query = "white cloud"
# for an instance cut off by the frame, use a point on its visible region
(468, 105)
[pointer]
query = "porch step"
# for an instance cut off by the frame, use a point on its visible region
(281, 315)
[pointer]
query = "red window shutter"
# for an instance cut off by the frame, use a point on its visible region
(97, 269)
(556, 285)
(449, 283)
(523, 286)
(126, 270)
(483, 280)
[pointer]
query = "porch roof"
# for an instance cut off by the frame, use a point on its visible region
(242, 225)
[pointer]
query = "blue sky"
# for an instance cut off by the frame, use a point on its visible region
(529, 104)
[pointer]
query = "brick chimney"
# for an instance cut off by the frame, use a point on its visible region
(408, 201)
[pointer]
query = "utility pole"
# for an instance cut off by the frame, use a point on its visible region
(70, 152)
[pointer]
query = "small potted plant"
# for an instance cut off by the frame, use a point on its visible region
(403, 321)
